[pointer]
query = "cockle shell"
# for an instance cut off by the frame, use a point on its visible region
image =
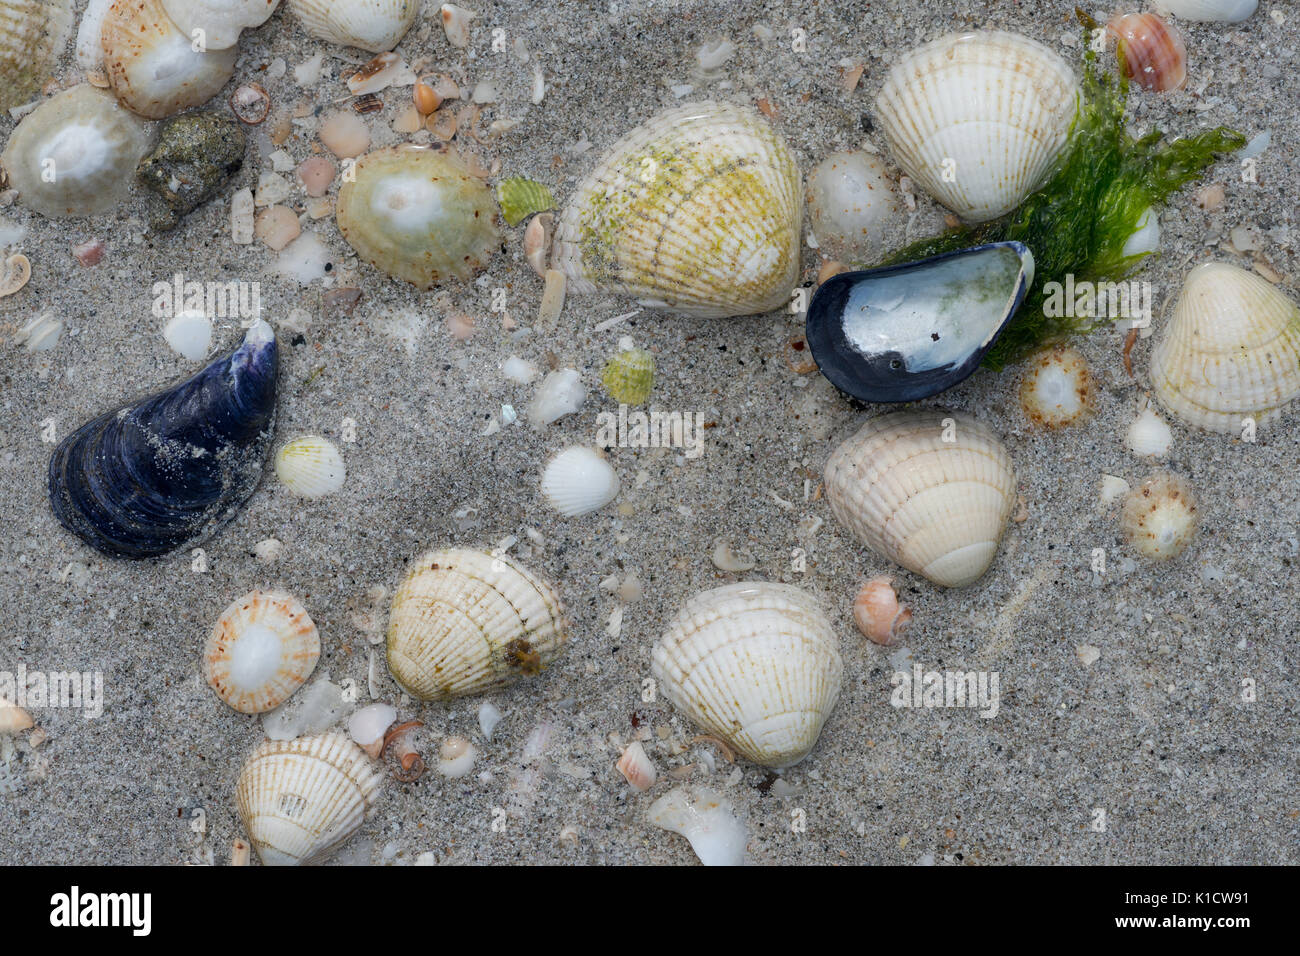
(578, 481)
(978, 118)
(300, 800)
(1222, 11)
(33, 34)
(221, 21)
(87, 142)
(168, 471)
(152, 66)
(373, 25)
(928, 490)
(698, 211)
(262, 649)
(310, 466)
(629, 376)
(756, 664)
(466, 621)
(419, 214)
(1229, 352)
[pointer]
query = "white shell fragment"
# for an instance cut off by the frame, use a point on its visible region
(455, 23)
(218, 23)
(189, 333)
(310, 467)
(466, 621)
(756, 664)
(707, 820)
(978, 118)
(1148, 436)
(1220, 11)
(850, 200)
(489, 715)
(698, 211)
(579, 481)
(368, 725)
(373, 25)
(262, 649)
(931, 491)
(561, 393)
(300, 800)
(41, 334)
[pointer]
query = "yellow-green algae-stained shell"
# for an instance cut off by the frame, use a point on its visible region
(520, 198)
(418, 213)
(698, 211)
(629, 376)
(33, 34)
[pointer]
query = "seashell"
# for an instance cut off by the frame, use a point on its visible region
(698, 211)
(1220, 11)
(908, 331)
(1057, 388)
(310, 467)
(88, 141)
(1148, 436)
(41, 334)
(520, 198)
(930, 491)
(300, 800)
(466, 621)
(367, 727)
(90, 51)
(1159, 517)
(629, 376)
(561, 393)
(152, 66)
(189, 333)
(489, 715)
(33, 34)
(756, 664)
(17, 273)
(878, 614)
(456, 757)
(637, 768)
(978, 119)
(1229, 352)
(707, 819)
(372, 25)
(1150, 50)
(13, 719)
(455, 23)
(262, 649)
(169, 470)
(418, 214)
(850, 199)
(579, 481)
(216, 24)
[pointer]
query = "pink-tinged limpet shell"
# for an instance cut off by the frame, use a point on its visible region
(262, 649)
(878, 614)
(1151, 51)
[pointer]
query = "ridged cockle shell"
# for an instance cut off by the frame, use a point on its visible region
(756, 664)
(466, 621)
(33, 34)
(931, 491)
(373, 25)
(698, 211)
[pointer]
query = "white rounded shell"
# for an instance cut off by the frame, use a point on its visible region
(262, 649)
(301, 799)
(756, 664)
(373, 25)
(1230, 351)
(33, 34)
(220, 20)
(310, 467)
(698, 211)
(579, 480)
(850, 199)
(465, 621)
(935, 507)
(91, 144)
(1221, 11)
(978, 118)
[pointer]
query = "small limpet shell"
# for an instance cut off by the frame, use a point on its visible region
(262, 649)
(629, 376)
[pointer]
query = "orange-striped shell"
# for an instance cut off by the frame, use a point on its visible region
(262, 649)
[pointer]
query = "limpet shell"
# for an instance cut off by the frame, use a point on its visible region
(262, 649)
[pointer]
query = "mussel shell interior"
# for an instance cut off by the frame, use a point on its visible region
(909, 331)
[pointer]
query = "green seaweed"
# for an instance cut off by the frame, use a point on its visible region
(1092, 203)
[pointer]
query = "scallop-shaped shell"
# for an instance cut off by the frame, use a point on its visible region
(90, 144)
(168, 471)
(33, 34)
(930, 491)
(698, 211)
(1230, 351)
(579, 481)
(520, 198)
(310, 466)
(300, 800)
(419, 214)
(262, 649)
(373, 25)
(466, 621)
(629, 376)
(756, 664)
(221, 21)
(978, 118)
(152, 65)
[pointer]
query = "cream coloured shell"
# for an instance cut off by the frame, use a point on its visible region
(465, 621)
(698, 211)
(756, 664)
(978, 118)
(937, 507)
(578, 481)
(90, 142)
(151, 64)
(310, 466)
(220, 20)
(373, 25)
(300, 800)
(33, 34)
(262, 649)
(1229, 352)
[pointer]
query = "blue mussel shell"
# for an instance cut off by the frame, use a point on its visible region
(170, 470)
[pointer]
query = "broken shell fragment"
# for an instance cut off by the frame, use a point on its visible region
(755, 664)
(216, 24)
(33, 34)
(707, 819)
(1221, 11)
(878, 614)
(368, 725)
(18, 272)
(466, 621)
(629, 376)
(300, 800)
(1159, 517)
(520, 198)
(262, 649)
(13, 719)
(372, 25)
(1148, 436)
(637, 768)
(579, 481)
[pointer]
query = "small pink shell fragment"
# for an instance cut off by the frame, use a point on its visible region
(89, 253)
(878, 614)
(316, 175)
(637, 768)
